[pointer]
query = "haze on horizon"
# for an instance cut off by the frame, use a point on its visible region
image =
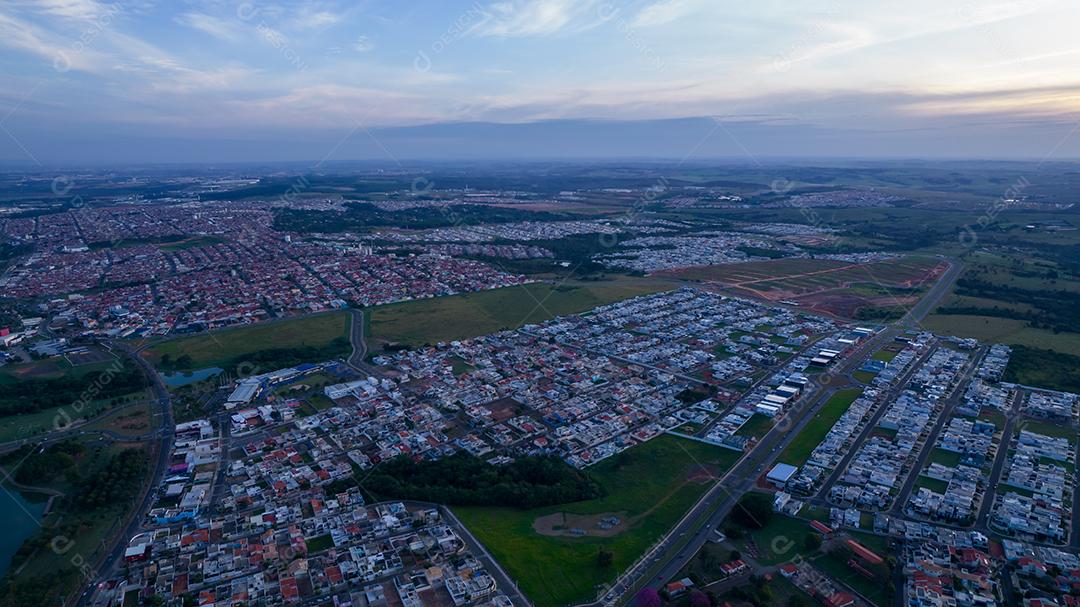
(92, 81)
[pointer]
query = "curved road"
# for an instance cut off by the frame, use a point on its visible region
(108, 563)
(356, 338)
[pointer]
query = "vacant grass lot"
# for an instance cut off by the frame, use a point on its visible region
(1048, 429)
(781, 539)
(438, 319)
(884, 355)
(945, 458)
(757, 426)
(864, 376)
(217, 348)
(799, 450)
(650, 487)
(16, 427)
(1002, 330)
(50, 368)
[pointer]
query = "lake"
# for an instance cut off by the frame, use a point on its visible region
(183, 378)
(21, 521)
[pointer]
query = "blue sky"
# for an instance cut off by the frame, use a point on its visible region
(217, 80)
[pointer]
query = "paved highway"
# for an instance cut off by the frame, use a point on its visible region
(110, 562)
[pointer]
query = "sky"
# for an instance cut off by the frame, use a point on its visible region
(93, 81)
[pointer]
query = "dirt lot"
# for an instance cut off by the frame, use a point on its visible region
(504, 408)
(580, 525)
(832, 287)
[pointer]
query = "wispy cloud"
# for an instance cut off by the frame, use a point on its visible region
(314, 19)
(85, 10)
(663, 11)
(519, 18)
(221, 29)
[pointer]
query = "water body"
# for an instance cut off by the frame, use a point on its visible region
(21, 519)
(183, 378)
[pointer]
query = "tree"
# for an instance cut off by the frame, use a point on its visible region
(699, 599)
(812, 542)
(735, 555)
(604, 559)
(753, 511)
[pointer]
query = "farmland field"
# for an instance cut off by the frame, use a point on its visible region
(472, 314)
(648, 487)
(822, 285)
(217, 348)
(1017, 298)
(1002, 330)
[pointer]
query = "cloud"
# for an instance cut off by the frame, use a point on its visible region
(520, 18)
(363, 44)
(664, 11)
(307, 19)
(218, 28)
(81, 10)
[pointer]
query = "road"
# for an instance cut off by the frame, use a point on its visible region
(930, 440)
(112, 559)
(357, 360)
(356, 337)
(1012, 415)
(674, 554)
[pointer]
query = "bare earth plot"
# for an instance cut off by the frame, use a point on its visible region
(833, 287)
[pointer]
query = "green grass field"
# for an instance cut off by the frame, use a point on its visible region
(781, 539)
(1002, 330)
(649, 487)
(837, 568)
(933, 484)
(864, 376)
(217, 348)
(757, 426)
(1015, 278)
(49, 368)
(1047, 429)
(799, 450)
(462, 316)
(15, 427)
(884, 355)
(945, 458)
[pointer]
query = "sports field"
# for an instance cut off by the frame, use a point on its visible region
(799, 450)
(216, 348)
(469, 315)
(649, 488)
(834, 287)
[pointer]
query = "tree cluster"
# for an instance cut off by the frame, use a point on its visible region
(463, 479)
(118, 480)
(41, 467)
(33, 395)
(753, 511)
